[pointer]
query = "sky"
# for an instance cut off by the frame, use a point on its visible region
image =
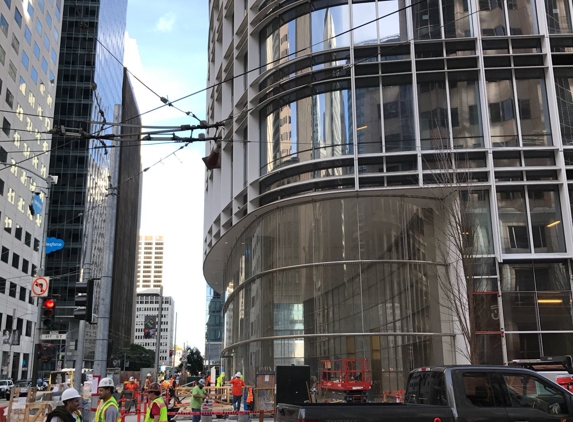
(166, 48)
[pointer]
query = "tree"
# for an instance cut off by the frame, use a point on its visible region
(461, 237)
(194, 361)
(138, 357)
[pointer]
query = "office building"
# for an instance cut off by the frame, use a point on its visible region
(328, 221)
(214, 329)
(150, 262)
(147, 323)
(90, 88)
(29, 50)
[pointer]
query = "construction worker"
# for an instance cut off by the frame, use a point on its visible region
(133, 387)
(172, 387)
(107, 409)
(197, 396)
(237, 391)
(221, 380)
(157, 410)
(250, 399)
(148, 381)
(69, 411)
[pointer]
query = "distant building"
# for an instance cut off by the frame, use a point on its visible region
(214, 329)
(150, 262)
(147, 322)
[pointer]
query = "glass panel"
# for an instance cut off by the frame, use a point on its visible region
(477, 207)
(362, 13)
(486, 312)
(540, 276)
(492, 18)
(330, 131)
(522, 346)
(555, 311)
(392, 28)
(368, 124)
(564, 90)
(427, 20)
(513, 221)
(522, 17)
(327, 24)
(533, 112)
(466, 114)
(558, 16)
(519, 311)
(433, 113)
(457, 22)
(547, 227)
(398, 118)
(489, 349)
(501, 113)
(557, 344)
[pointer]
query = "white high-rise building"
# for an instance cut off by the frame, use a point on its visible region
(150, 262)
(147, 322)
(29, 46)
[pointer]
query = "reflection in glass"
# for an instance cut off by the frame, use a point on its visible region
(476, 204)
(327, 24)
(392, 26)
(537, 276)
(522, 17)
(427, 20)
(398, 118)
(546, 224)
(489, 349)
(457, 23)
(466, 114)
(500, 100)
(519, 311)
(486, 312)
(555, 344)
(533, 112)
(558, 16)
(564, 93)
(368, 120)
(433, 113)
(513, 221)
(362, 13)
(491, 18)
(523, 346)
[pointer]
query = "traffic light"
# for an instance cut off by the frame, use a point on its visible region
(170, 353)
(84, 300)
(49, 312)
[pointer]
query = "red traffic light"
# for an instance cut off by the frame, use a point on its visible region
(50, 304)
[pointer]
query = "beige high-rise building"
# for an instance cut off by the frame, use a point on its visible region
(150, 262)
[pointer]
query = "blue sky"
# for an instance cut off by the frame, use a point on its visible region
(166, 47)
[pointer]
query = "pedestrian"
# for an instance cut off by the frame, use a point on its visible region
(197, 397)
(69, 411)
(132, 386)
(157, 410)
(237, 391)
(107, 409)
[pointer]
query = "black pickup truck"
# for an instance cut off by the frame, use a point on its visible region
(452, 393)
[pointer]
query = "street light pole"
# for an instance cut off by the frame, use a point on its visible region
(158, 334)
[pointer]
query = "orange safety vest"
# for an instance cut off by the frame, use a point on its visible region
(250, 395)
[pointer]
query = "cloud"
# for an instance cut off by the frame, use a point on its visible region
(166, 22)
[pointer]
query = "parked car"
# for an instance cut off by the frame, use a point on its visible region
(453, 393)
(5, 387)
(24, 385)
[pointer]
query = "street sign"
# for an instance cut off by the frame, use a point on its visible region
(40, 286)
(52, 336)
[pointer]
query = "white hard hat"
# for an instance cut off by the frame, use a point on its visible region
(131, 379)
(148, 375)
(238, 375)
(70, 393)
(106, 382)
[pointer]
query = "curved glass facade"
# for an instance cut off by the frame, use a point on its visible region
(362, 118)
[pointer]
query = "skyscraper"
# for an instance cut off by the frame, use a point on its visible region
(150, 262)
(90, 78)
(335, 245)
(29, 46)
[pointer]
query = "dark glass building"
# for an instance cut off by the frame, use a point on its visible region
(91, 80)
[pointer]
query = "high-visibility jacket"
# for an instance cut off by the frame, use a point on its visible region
(250, 395)
(102, 407)
(220, 380)
(162, 410)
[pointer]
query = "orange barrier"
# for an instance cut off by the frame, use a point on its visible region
(3, 410)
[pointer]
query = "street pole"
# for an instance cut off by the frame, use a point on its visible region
(86, 274)
(174, 342)
(158, 334)
(104, 308)
(41, 271)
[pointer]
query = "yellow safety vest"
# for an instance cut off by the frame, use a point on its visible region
(162, 411)
(102, 407)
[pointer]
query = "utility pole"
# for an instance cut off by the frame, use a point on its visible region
(174, 342)
(158, 334)
(104, 308)
(85, 275)
(34, 361)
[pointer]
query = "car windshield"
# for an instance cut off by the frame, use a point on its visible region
(21, 383)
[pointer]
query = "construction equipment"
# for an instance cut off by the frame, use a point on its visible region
(350, 378)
